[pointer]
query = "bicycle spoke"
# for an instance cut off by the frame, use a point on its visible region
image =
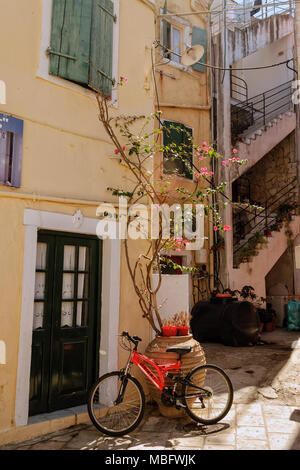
(215, 399)
(115, 418)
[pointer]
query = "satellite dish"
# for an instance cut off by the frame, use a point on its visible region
(192, 55)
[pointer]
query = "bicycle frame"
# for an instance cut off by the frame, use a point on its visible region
(158, 381)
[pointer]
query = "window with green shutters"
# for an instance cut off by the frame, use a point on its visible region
(177, 138)
(81, 47)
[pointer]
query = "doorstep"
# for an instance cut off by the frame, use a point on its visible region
(44, 424)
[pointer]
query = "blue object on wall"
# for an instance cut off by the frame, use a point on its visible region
(11, 124)
(293, 316)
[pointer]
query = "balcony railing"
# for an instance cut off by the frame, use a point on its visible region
(261, 219)
(261, 109)
(238, 87)
(241, 13)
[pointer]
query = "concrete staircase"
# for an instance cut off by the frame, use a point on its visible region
(260, 226)
(254, 272)
(256, 131)
(255, 143)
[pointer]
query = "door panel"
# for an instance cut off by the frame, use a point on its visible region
(66, 325)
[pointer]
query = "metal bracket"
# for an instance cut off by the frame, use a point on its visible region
(114, 17)
(60, 54)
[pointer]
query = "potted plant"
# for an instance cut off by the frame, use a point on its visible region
(136, 140)
(182, 321)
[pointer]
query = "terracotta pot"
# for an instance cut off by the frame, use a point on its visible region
(169, 330)
(183, 330)
(156, 350)
(269, 326)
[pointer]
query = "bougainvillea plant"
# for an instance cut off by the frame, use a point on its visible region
(138, 141)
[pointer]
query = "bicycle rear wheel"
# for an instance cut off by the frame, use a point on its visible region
(116, 404)
(208, 394)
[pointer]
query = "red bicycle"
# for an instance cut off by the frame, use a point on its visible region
(116, 402)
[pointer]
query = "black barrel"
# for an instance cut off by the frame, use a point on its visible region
(232, 324)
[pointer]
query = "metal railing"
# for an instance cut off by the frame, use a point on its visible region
(241, 13)
(238, 87)
(261, 109)
(263, 218)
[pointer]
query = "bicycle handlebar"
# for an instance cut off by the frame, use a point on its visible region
(134, 339)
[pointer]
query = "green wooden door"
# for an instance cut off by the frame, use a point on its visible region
(66, 325)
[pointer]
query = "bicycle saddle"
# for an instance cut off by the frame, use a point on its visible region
(180, 350)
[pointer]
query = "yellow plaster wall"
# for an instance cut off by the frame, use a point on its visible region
(65, 156)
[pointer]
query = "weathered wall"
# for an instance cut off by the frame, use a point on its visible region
(274, 171)
(66, 159)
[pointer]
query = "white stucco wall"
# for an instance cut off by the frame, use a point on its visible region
(174, 294)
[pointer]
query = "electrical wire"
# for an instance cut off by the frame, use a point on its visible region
(225, 68)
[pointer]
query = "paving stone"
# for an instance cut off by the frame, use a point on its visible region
(221, 439)
(251, 432)
(194, 442)
(218, 447)
(243, 444)
(250, 420)
(158, 424)
(144, 447)
(47, 445)
(278, 411)
(23, 448)
(85, 439)
(280, 441)
(246, 409)
(281, 425)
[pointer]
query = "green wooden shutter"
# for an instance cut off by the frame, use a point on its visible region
(199, 36)
(176, 133)
(103, 19)
(70, 39)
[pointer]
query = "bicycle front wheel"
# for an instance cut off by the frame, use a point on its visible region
(208, 394)
(116, 404)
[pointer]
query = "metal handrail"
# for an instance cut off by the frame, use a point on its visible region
(265, 213)
(243, 86)
(259, 108)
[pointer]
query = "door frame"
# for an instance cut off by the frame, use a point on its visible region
(110, 301)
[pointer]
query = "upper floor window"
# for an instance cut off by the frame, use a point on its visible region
(81, 46)
(177, 140)
(11, 136)
(177, 35)
(172, 38)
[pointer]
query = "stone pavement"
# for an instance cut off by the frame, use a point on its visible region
(265, 414)
(254, 426)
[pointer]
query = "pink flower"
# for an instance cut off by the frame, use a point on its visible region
(124, 148)
(178, 249)
(224, 163)
(215, 228)
(197, 175)
(204, 144)
(116, 152)
(234, 150)
(226, 228)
